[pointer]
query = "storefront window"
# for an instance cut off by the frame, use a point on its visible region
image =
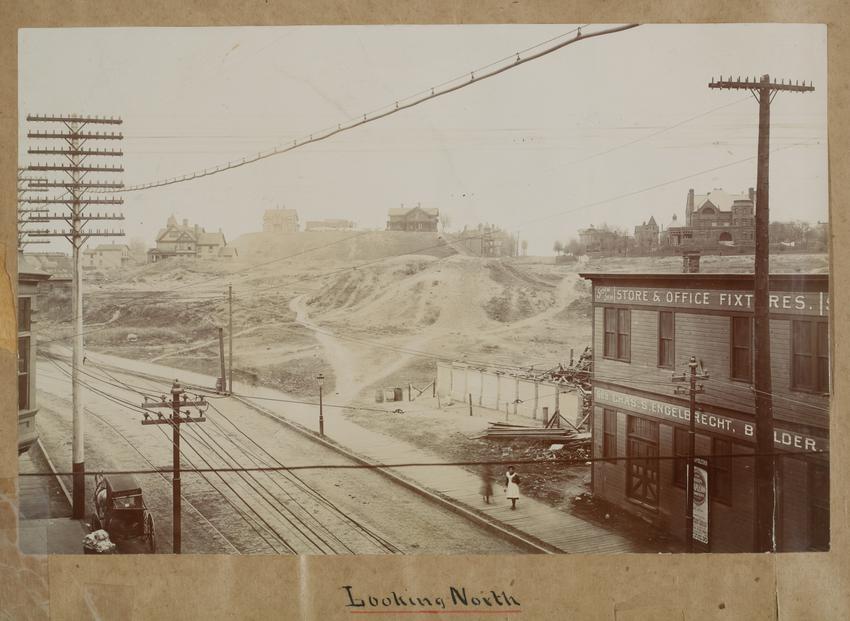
(642, 480)
(720, 475)
(818, 507)
(609, 435)
(681, 449)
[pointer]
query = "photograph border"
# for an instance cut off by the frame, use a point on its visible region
(622, 587)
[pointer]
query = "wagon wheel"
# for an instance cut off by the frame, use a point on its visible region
(150, 533)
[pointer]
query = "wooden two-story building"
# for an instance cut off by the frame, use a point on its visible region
(645, 329)
(30, 276)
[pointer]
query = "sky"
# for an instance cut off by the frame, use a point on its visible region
(545, 149)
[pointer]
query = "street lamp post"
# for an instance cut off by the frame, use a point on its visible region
(321, 379)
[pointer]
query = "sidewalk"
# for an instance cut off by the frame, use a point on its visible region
(566, 532)
(45, 525)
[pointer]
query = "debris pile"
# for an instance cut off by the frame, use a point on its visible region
(569, 438)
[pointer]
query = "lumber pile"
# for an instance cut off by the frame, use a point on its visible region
(569, 438)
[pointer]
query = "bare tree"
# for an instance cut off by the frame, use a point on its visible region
(445, 221)
(138, 249)
(558, 248)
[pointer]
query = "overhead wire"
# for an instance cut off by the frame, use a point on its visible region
(137, 409)
(316, 495)
(384, 111)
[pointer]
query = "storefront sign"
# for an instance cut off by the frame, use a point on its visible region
(700, 507)
(706, 420)
(810, 303)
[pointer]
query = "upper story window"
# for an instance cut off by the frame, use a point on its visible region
(618, 328)
(742, 349)
(24, 314)
(665, 339)
(810, 355)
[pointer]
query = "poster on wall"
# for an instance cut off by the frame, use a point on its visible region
(700, 500)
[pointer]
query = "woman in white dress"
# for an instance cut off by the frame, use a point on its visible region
(511, 486)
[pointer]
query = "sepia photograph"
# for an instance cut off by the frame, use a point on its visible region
(423, 290)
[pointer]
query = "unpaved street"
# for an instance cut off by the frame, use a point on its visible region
(306, 511)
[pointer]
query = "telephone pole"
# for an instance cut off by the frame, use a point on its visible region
(175, 421)
(763, 90)
(230, 339)
(28, 214)
(692, 391)
(69, 137)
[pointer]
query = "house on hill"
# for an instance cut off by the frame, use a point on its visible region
(280, 221)
(183, 240)
(418, 219)
(715, 219)
(646, 234)
(107, 256)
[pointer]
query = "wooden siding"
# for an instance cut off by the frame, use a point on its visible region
(707, 336)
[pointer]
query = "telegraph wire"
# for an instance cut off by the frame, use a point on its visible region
(137, 409)
(315, 494)
(429, 464)
(384, 111)
(442, 244)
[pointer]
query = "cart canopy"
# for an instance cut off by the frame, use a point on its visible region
(122, 484)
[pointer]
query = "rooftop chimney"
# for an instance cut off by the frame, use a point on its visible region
(690, 262)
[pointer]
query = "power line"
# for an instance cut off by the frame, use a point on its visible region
(134, 408)
(276, 503)
(432, 464)
(399, 105)
(442, 244)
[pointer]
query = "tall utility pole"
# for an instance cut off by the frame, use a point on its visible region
(692, 391)
(69, 137)
(230, 339)
(175, 421)
(28, 214)
(764, 91)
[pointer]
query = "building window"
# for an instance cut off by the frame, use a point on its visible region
(24, 314)
(681, 449)
(617, 333)
(665, 339)
(642, 445)
(810, 356)
(818, 507)
(720, 471)
(742, 348)
(23, 372)
(609, 435)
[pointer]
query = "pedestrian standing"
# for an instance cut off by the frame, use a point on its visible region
(512, 486)
(487, 483)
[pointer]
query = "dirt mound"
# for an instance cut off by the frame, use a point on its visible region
(340, 246)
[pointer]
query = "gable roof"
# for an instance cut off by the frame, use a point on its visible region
(403, 211)
(211, 239)
(719, 199)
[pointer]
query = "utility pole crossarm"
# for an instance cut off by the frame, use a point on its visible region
(754, 84)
